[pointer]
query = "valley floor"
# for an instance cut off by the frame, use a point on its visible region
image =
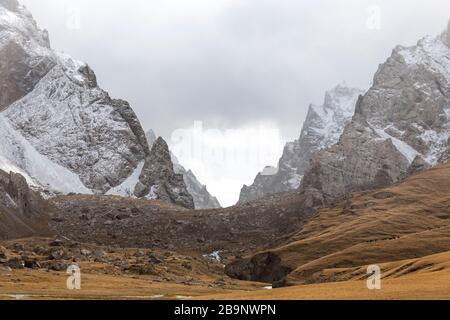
(404, 229)
(42, 285)
(421, 287)
(430, 282)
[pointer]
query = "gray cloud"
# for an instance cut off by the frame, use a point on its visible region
(232, 62)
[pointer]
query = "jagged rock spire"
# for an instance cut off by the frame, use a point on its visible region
(158, 179)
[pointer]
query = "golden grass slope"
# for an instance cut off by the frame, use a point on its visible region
(405, 221)
(425, 278)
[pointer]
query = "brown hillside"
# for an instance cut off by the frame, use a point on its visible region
(423, 278)
(405, 221)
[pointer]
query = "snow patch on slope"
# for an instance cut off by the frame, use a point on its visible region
(438, 142)
(126, 189)
(431, 53)
(330, 119)
(18, 155)
(405, 149)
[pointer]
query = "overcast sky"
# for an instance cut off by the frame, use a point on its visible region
(246, 68)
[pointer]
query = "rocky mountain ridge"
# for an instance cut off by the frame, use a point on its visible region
(400, 126)
(65, 134)
(322, 128)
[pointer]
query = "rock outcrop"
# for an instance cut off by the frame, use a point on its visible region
(158, 179)
(263, 267)
(23, 212)
(321, 129)
(22, 65)
(202, 198)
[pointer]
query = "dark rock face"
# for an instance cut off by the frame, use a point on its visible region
(22, 211)
(159, 181)
(130, 223)
(17, 74)
(133, 122)
(26, 200)
(20, 68)
(264, 267)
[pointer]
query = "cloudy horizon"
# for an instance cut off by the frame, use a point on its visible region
(235, 66)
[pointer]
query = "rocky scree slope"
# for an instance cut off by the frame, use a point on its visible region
(322, 128)
(128, 222)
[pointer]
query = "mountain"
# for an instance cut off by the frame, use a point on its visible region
(401, 126)
(322, 128)
(202, 198)
(66, 134)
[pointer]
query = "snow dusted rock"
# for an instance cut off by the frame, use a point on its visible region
(24, 51)
(81, 129)
(61, 131)
(202, 198)
(322, 128)
(158, 179)
(18, 155)
(401, 125)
